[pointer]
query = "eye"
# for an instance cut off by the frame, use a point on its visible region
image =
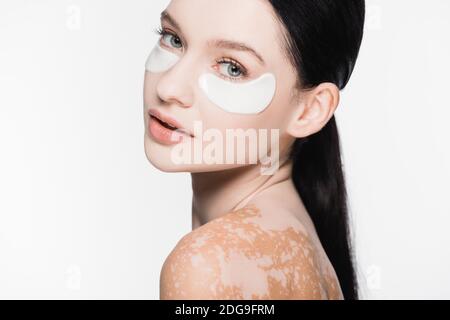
(173, 40)
(234, 70)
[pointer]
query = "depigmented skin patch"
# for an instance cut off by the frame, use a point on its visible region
(248, 254)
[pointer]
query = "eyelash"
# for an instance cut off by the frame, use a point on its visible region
(244, 73)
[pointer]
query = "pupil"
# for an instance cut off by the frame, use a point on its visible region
(175, 41)
(234, 69)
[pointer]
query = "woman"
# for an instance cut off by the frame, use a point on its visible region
(270, 66)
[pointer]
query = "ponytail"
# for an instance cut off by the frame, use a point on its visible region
(318, 177)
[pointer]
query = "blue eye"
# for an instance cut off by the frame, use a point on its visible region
(234, 71)
(174, 41)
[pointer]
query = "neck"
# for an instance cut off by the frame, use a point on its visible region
(217, 193)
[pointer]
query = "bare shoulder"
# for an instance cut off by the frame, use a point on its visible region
(245, 254)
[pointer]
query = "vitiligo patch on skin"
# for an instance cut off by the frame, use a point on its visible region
(249, 254)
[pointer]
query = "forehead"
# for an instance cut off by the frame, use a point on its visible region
(251, 22)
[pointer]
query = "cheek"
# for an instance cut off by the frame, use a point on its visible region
(276, 116)
(149, 88)
(213, 118)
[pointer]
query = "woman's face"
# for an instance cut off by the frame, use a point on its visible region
(201, 85)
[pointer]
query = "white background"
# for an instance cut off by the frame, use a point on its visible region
(83, 214)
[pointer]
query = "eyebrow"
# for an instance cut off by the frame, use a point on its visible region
(218, 43)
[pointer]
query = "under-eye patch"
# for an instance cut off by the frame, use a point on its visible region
(160, 60)
(246, 98)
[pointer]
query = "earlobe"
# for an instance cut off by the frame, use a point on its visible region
(315, 110)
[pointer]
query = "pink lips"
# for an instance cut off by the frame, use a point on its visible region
(166, 129)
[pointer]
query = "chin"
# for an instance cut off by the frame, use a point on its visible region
(159, 156)
(165, 164)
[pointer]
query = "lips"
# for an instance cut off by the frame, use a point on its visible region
(168, 121)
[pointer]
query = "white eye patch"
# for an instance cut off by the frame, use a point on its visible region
(245, 98)
(160, 60)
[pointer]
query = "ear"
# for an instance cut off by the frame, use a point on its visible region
(314, 110)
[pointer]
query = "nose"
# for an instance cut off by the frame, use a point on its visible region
(175, 86)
